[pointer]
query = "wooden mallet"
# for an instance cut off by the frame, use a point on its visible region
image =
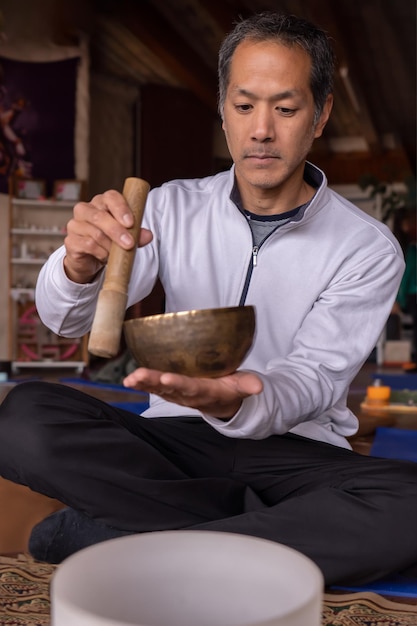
(104, 340)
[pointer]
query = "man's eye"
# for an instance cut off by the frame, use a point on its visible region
(286, 111)
(243, 107)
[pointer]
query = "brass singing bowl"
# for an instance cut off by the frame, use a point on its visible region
(206, 343)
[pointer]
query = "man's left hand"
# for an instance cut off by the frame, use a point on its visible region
(218, 397)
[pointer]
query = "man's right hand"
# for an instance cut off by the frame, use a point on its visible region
(93, 228)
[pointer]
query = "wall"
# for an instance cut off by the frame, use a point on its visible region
(176, 140)
(112, 138)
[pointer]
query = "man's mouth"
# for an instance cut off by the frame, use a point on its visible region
(261, 160)
(262, 156)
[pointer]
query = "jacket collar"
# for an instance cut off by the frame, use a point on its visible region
(312, 175)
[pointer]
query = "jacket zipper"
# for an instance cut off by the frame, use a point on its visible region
(255, 251)
(252, 264)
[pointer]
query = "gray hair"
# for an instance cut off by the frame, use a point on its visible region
(288, 30)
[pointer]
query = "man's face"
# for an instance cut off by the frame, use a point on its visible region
(269, 113)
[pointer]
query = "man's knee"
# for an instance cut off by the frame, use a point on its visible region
(22, 437)
(19, 401)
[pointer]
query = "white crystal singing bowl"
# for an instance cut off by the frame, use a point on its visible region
(187, 578)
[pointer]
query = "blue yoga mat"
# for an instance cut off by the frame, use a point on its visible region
(91, 383)
(395, 585)
(395, 443)
(134, 407)
(398, 381)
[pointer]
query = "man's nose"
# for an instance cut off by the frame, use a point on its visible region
(263, 128)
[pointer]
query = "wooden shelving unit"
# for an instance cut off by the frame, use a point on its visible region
(37, 228)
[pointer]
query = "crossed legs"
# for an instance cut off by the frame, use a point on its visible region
(353, 515)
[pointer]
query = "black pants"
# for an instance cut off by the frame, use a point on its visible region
(355, 516)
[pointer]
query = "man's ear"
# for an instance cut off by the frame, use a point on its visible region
(325, 114)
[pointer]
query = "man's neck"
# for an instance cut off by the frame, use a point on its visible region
(273, 201)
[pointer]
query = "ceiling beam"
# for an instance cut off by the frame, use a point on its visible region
(114, 41)
(152, 29)
(323, 13)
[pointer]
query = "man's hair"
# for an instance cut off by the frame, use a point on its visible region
(288, 30)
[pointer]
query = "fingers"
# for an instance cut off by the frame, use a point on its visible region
(85, 238)
(240, 384)
(105, 219)
(113, 203)
(92, 230)
(146, 380)
(145, 237)
(248, 384)
(219, 397)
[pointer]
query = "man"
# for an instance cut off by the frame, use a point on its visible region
(262, 451)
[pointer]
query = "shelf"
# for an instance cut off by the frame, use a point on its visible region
(17, 365)
(37, 227)
(18, 261)
(64, 204)
(15, 292)
(38, 231)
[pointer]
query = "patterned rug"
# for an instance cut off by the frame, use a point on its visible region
(24, 591)
(366, 609)
(24, 600)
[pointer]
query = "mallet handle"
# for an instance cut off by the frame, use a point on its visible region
(104, 340)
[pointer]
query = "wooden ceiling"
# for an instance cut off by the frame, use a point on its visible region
(175, 42)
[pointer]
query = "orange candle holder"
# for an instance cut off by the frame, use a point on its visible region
(378, 395)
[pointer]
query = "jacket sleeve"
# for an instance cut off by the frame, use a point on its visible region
(67, 308)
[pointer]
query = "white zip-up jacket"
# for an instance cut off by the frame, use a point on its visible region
(323, 287)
